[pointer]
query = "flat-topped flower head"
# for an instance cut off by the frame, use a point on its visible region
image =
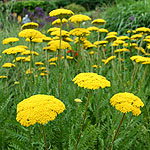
(39, 63)
(28, 52)
(80, 32)
(100, 43)
(102, 30)
(98, 22)
(109, 59)
(142, 30)
(53, 29)
(112, 33)
(10, 40)
(38, 109)
(57, 21)
(8, 65)
(50, 48)
(127, 102)
(63, 33)
(110, 38)
(30, 33)
(123, 38)
(61, 13)
(79, 18)
(55, 45)
(29, 25)
(140, 59)
(136, 36)
(122, 50)
(93, 28)
(91, 81)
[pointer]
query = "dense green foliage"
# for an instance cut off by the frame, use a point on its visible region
(127, 15)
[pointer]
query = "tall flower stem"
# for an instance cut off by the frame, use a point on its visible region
(79, 56)
(83, 121)
(59, 58)
(117, 131)
(44, 136)
(47, 69)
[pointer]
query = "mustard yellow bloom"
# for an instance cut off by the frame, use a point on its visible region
(29, 25)
(67, 39)
(122, 50)
(91, 81)
(29, 71)
(30, 33)
(110, 38)
(112, 33)
(80, 32)
(55, 45)
(57, 21)
(91, 52)
(39, 63)
(61, 13)
(142, 30)
(102, 30)
(38, 109)
(119, 42)
(22, 46)
(136, 36)
(123, 38)
(8, 65)
(46, 39)
(42, 68)
(78, 100)
(50, 48)
(109, 59)
(28, 52)
(19, 59)
(100, 43)
(140, 59)
(53, 29)
(53, 59)
(79, 18)
(63, 33)
(93, 28)
(127, 102)
(87, 44)
(3, 77)
(98, 22)
(52, 64)
(9, 40)
(35, 40)
(13, 50)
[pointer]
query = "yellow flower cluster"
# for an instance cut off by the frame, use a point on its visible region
(53, 29)
(93, 28)
(136, 36)
(102, 30)
(28, 52)
(122, 50)
(38, 109)
(112, 33)
(91, 81)
(14, 50)
(122, 38)
(61, 13)
(57, 21)
(8, 65)
(127, 102)
(63, 33)
(10, 40)
(142, 30)
(39, 63)
(80, 32)
(29, 25)
(100, 43)
(55, 45)
(87, 44)
(30, 33)
(22, 59)
(79, 18)
(110, 38)
(98, 22)
(3, 77)
(109, 59)
(140, 59)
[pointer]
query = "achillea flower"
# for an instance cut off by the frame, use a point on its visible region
(57, 21)
(35, 40)
(29, 71)
(80, 32)
(136, 36)
(112, 33)
(19, 59)
(140, 59)
(53, 29)
(130, 45)
(52, 64)
(30, 33)
(55, 45)
(93, 28)
(46, 39)
(0, 56)
(119, 42)
(111, 38)
(38, 109)
(91, 81)
(127, 102)
(61, 13)
(8, 65)
(39, 63)
(49, 48)
(102, 30)
(142, 30)
(53, 59)
(3, 77)
(98, 22)
(95, 66)
(16, 82)
(147, 40)
(91, 52)
(43, 74)
(42, 68)
(9, 40)
(63, 33)
(28, 52)
(87, 44)
(109, 59)
(122, 38)
(78, 100)
(122, 50)
(22, 46)
(13, 50)
(67, 39)
(79, 18)
(29, 25)
(100, 43)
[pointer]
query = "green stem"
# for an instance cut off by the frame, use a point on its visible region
(117, 131)
(83, 121)
(44, 136)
